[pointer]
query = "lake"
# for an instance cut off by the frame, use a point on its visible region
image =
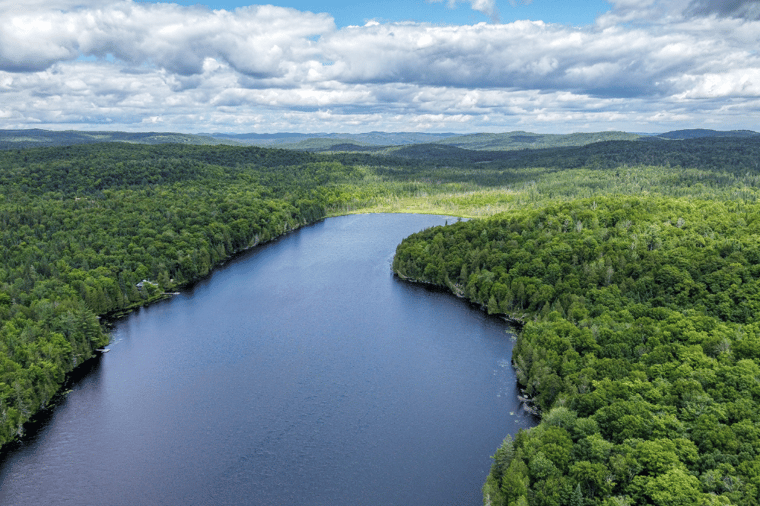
(302, 372)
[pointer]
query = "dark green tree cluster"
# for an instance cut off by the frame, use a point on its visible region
(713, 153)
(639, 345)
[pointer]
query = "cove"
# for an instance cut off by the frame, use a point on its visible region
(302, 372)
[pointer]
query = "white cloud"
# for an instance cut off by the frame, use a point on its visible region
(272, 68)
(666, 11)
(733, 84)
(255, 40)
(748, 9)
(13, 6)
(609, 62)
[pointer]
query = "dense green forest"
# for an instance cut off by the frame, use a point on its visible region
(633, 266)
(94, 230)
(638, 344)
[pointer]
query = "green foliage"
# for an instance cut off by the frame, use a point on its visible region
(100, 229)
(631, 266)
(732, 154)
(637, 343)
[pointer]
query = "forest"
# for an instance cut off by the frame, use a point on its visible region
(637, 341)
(630, 269)
(92, 231)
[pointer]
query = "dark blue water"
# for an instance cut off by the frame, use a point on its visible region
(302, 373)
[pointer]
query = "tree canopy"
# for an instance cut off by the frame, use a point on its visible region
(639, 344)
(631, 267)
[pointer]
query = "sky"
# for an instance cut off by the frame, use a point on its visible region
(462, 66)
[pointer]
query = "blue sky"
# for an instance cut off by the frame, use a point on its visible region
(358, 13)
(544, 66)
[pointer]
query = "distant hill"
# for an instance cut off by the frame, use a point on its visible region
(528, 140)
(700, 132)
(436, 151)
(387, 143)
(36, 138)
(323, 141)
(702, 152)
(321, 144)
(383, 143)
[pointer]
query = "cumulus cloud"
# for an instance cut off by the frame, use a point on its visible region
(747, 9)
(256, 40)
(85, 94)
(642, 11)
(611, 62)
(667, 11)
(57, 5)
(121, 63)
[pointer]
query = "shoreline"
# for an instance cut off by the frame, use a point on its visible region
(109, 319)
(514, 323)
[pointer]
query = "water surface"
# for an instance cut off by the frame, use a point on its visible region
(302, 372)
